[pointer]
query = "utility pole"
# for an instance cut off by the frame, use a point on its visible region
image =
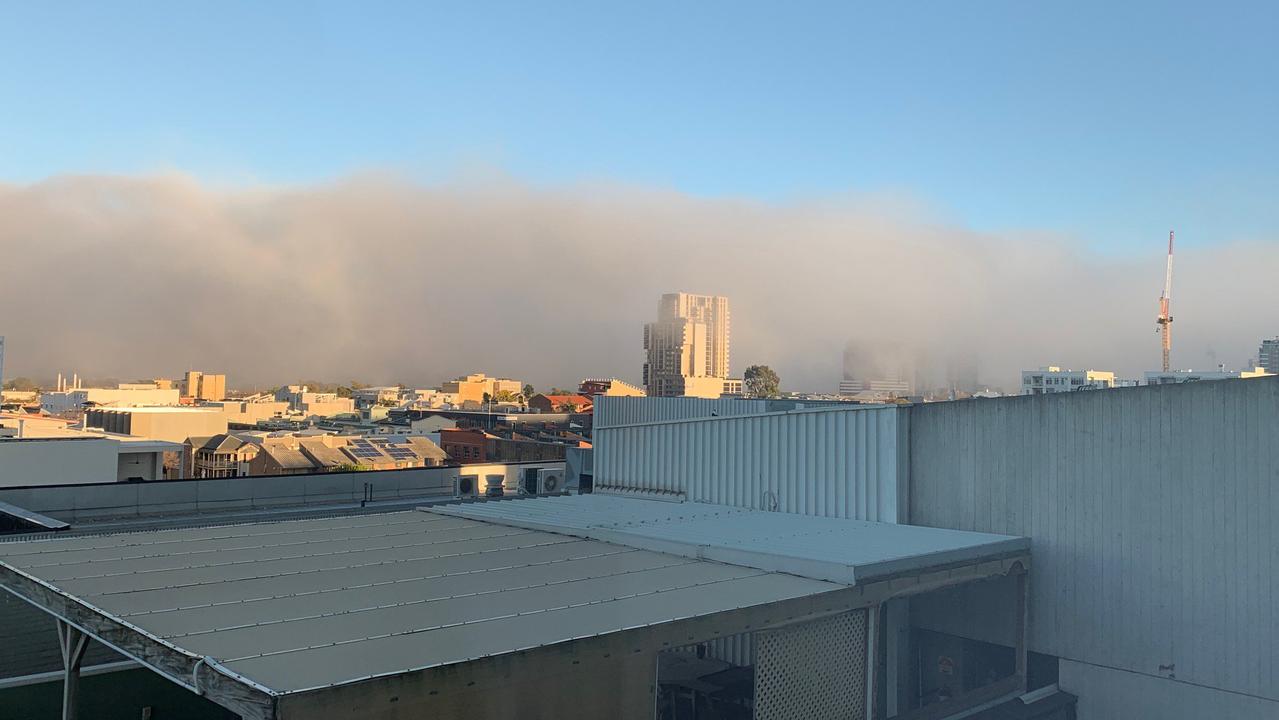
(1164, 321)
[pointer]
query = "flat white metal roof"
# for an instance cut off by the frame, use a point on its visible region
(302, 604)
(832, 549)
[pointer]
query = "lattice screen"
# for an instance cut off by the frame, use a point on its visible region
(812, 670)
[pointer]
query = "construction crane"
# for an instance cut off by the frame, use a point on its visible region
(1164, 321)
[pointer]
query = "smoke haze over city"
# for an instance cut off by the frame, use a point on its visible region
(382, 279)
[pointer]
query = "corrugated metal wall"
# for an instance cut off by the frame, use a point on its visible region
(614, 411)
(1153, 516)
(839, 461)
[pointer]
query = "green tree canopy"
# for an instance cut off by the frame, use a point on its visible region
(760, 381)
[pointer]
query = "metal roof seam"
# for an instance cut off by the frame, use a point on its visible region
(619, 551)
(290, 557)
(319, 570)
(71, 538)
(423, 601)
(221, 550)
(538, 611)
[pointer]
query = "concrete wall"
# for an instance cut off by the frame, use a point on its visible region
(838, 461)
(58, 461)
(1156, 550)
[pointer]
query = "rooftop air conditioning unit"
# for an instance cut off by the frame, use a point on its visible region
(468, 486)
(550, 481)
(494, 485)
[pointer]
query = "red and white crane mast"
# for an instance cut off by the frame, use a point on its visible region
(1164, 321)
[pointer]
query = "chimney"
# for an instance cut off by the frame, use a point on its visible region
(59, 382)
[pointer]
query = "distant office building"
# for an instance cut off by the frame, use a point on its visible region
(1155, 377)
(203, 386)
(314, 404)
(687, 348)
(880, 371)
(472, 388)
(251, 410)
(1, 362)
(1267, 356)
(1053, 379)
(611, 387)
(894, 387)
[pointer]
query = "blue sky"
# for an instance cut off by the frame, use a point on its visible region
(1111, 122)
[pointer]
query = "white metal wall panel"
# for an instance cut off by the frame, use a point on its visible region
(838, 461)
(1108, 693)
(1152, 513)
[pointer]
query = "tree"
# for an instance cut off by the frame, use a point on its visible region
(21, 383)
(761, 382)
(528, 392)
(506, 396)
(487, 398)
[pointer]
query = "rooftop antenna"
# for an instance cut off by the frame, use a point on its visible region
(1164, 321)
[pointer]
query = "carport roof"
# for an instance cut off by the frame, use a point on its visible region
(283, 607)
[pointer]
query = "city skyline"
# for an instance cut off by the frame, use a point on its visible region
(360, 280)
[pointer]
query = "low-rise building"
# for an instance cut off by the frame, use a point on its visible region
(472, 388)
(292, 455)
(218, 456)
(1172, 377)
(46, 451)
(611, 387)
(314, 404)
(247, 412)
(124, 395)
(385, 395)
(174, 424)
(1052, 379)
(472, 445)
(560, 403)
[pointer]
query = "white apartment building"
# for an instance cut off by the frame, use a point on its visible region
(1053, 379)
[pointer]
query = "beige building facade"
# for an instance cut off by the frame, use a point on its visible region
(687, 348)
(472, 388)
(204, 386)
(174, 424)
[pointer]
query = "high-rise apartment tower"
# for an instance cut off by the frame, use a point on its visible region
(687, 348)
